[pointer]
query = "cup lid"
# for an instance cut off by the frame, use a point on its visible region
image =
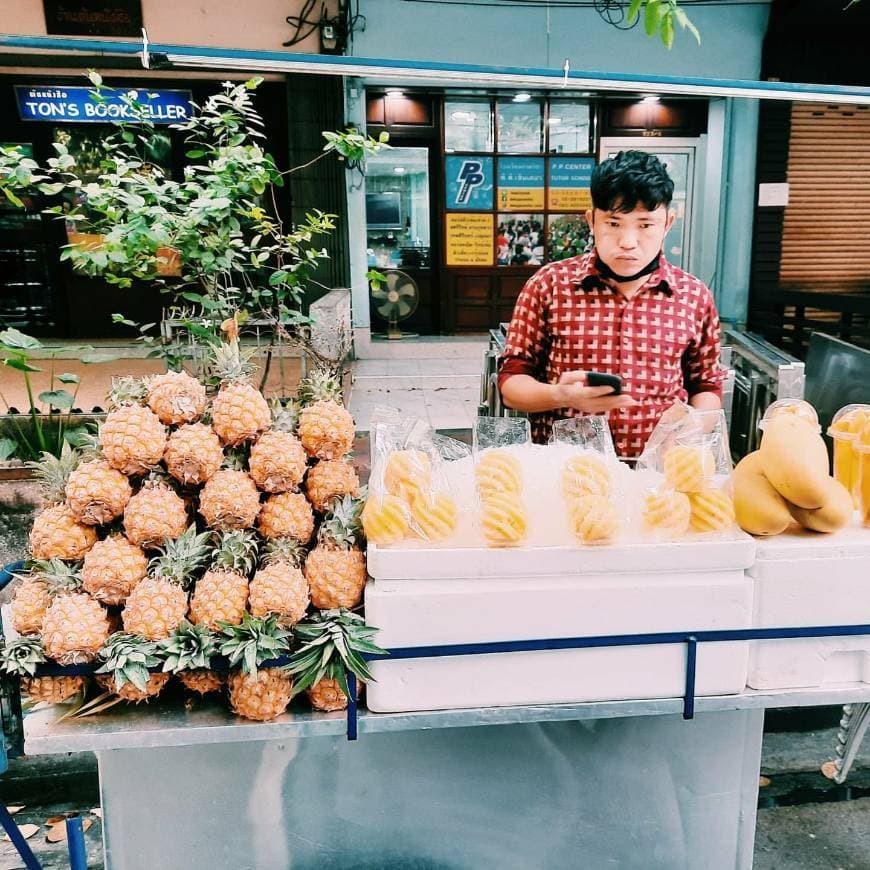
(796, 407)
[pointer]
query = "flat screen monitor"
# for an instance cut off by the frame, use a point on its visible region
(384, 210)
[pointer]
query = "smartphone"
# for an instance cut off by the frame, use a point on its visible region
(600, 379)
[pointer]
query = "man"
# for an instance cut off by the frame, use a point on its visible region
(621, 309)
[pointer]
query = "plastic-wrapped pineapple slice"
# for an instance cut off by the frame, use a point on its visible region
(689, 467)
(435, 515)
(408, 473)
(667, 513)
(503, 519)
(385, 519)
(594, 519)
(586, 474)
(498, 471)
(712, 510)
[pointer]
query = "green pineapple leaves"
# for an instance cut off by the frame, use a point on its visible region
(128, 659)
(20, 657)
(253, 642)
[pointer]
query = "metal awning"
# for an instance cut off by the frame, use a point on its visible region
(434, 73)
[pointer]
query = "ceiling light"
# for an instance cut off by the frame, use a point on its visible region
(395, 92)
(552, 120)
(522, 97)
(461, 116)
(650, 98)
(399, 170)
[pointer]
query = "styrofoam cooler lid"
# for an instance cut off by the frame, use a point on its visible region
(733, 552)
(796, 543)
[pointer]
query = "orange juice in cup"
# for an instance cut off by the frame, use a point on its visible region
(845, 428)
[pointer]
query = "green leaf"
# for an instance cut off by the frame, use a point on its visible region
(20, 364)
(667, 31)
(95, 77)
(16, 338)
(51, 189)
(11, 197)
(195, 153)
(8, 449)
(633, 11)
(57, 399)
(69, 378)
(652, 14)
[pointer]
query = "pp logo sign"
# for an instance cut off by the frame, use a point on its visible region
(470, 176)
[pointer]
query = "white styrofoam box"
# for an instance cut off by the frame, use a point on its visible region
(733, 551)
(437, 612)
(804, 578)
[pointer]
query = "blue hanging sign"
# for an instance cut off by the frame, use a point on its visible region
(570, 179)
(74, 105)
(469, 183)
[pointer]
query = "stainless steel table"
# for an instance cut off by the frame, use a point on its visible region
(626, 784)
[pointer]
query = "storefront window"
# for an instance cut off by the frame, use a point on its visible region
(520, 240)
(520, 127)
(397, 209)
(568, 128)
(567, 236)
(467, 126)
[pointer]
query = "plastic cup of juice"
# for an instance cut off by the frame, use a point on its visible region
(862, 452)
(844, 430)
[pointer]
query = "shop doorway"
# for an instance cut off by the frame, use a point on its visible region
(683, 159)
(400, 240)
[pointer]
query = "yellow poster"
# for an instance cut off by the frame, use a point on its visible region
(520, 199)
(567, 199)
(470, 239)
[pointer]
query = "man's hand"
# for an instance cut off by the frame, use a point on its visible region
(572, 392)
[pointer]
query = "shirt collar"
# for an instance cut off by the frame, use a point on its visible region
(661, 280)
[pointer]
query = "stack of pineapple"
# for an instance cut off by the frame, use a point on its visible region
(191, 529)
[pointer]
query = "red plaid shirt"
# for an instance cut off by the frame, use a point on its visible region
(664, 343)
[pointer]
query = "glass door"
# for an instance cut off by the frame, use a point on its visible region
(680, 158)
(399, 239)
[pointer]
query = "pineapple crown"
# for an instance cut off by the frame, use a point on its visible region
(56, 574)
(322, 384)
(285, 416)
(342, 527)
(20, 657)
(235, 550)
(253, 642)
(128, 657)
(235, 458)
(284, 550)
(181, 558)
(230, 364)
(333, 642)
(127, 391)
(53, 472)
(189, 648)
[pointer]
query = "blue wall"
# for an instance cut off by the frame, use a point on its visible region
(730, 46)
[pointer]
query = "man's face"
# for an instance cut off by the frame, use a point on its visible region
(627, 241)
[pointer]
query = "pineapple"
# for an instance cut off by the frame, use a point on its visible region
(154, 514)
(435, 515)
(326, 428)
(287, 515)
(280, 587)
(176, 398)
(158, 604)
(132, 437)
(239, 411)
(503, 519)
(255, 692)
(125, 672)
(20, 657)
(52, 690)
(188, 654)
(56, 533)
(712, 510)
(593, 519)
(407, 473)
(96, 493)
(230, 500)
(112, 568)
(278, 461)
(332, 644)
(193, 454)
(385, 519)
(498, 471)
(221, 594)
(336, 568)
(75, 625)
(331, 479)
(586, 474)
(33, 597)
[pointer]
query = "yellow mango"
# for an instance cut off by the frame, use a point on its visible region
(758, 507)
(835, 512)
(795, 461)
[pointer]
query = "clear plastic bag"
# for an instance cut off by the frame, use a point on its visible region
(499, 446)
(845, 430)
(689, 454)
(591, 479)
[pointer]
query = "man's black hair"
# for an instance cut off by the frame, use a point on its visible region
(632, 177)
